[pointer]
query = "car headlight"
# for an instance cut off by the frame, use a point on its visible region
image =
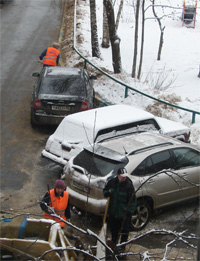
(66, 169)
(100, 184)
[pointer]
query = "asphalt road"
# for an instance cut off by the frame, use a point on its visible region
(27, 28)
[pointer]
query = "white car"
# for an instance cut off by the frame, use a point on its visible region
(81, 129)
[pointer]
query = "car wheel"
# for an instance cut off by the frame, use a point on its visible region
(141, 216)
(33, 124)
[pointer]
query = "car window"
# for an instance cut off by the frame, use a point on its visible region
(144, 125)
(186, 157)
(154, 164)
(162, 160)
(65, 84)
(39, 80)
(96, 165)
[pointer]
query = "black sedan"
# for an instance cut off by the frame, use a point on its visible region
(58, 92)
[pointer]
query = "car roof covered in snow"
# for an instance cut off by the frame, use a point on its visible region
(58, 70)
(108, 116)
(127, 143)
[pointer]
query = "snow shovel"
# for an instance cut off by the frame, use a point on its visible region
(101, 251)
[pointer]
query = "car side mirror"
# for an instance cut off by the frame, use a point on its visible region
(36, 74)
(93, 77)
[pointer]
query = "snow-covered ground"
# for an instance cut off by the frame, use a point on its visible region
(178, 68)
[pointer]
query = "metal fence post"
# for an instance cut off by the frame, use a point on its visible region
(85, 64)
(193, 117)
(126, 92)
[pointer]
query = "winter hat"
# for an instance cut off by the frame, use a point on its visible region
(56, 45)
(60, 184)
(122, 172)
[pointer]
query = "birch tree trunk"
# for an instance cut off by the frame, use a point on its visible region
(114, 39)
(136, 39)
(94, 34)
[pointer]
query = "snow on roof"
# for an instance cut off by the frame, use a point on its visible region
(128, 143)
(170, 126)
(108, 116)
(63, 71)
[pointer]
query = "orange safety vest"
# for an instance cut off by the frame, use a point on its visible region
(51, 56)
(59, 204)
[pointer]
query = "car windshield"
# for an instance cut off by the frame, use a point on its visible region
(97, 165)
(139, 126)
(64, 84)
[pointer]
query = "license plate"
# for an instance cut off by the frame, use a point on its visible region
(60, 108)
(81, 187)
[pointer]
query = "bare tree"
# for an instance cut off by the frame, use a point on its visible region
(94, 35)
(153, 5)
(162, 28)
(171, 237)
(136, 39)
(114, 39)
(105, 38)
(142, 40)
(119, 13)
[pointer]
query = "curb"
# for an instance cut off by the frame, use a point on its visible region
(62, 24)
(62, 30)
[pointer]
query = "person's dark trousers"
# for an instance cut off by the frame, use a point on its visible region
(46, 65)
(115, 228)
(125, 231)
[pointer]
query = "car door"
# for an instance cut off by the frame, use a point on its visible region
(36, 86)
(188, 168)
(162, 187)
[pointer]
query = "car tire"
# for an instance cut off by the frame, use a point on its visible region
(141, 216)
(33, 124)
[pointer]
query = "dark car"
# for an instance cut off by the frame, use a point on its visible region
(58, 92)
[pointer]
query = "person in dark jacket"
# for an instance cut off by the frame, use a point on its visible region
(121, 206)
(56, 201)
(51, 56)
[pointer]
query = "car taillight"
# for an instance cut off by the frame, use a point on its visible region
(84, 106)
(37, 105)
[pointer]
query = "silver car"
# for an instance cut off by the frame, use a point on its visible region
(164, 171)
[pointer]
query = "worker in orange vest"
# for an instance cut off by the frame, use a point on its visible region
(51, 55)
(56, 201)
